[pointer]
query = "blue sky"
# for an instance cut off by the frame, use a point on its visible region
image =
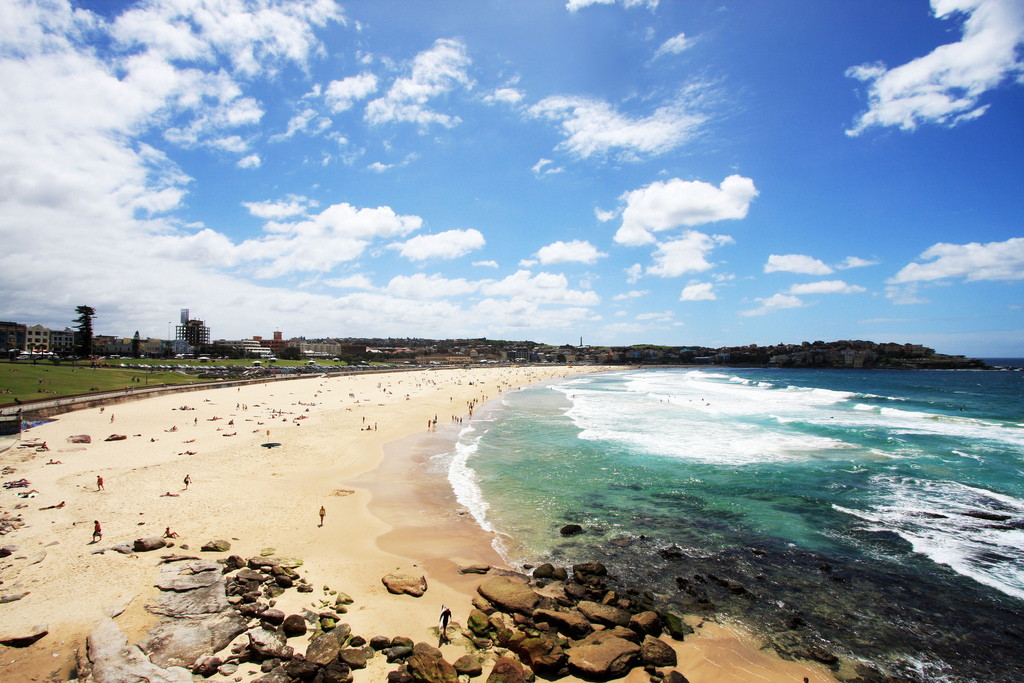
(627, 171)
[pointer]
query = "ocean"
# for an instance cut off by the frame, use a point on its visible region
(874, 514)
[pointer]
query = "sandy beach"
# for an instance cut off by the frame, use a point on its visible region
(332, 434)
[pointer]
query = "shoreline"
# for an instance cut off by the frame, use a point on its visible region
(267, 497)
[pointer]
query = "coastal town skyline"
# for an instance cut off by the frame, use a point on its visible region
(625, 171)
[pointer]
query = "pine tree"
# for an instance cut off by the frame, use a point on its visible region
(83, 338)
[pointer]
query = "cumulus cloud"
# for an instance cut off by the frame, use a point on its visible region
(826, 287)
(357, 281)
(633, 273)
(687, 254)
(569, 252)
(443, 245)
(542, 287)
(509, 96)
(634, 294)
(698, 291)
(670, 204)
(251, 161)
(341, 95)
(973, 262)
(854, 262)
(434, 72)
(420, 286)
(277, 210)
(774, 303)
(674, 45)
(945, 86)
(796, 263)
(486, 264)
(595, 128)
(605, 216)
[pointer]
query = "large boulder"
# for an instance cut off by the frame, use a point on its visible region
(294, 625)
(354, 657)
(646, 624)
(399, 584)
(541, 654)
(323, 649)
(676, 627)
(654, 652)
(572, 623)
(427, 665)
(269, 644)
(603, 614)
(219, 546)
(148, 543)
(24, 637)
(509, 595)
(588, 570)
(602, 656)
(468, 665)
(507, 670)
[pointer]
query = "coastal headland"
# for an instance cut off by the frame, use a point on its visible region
(261, 462)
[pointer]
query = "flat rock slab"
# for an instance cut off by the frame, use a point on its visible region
(114, 661)
(181, 642)
(399, 584)
(604, 614)
(509, 595)
(193, 590)
(25, 637)
(602, 655)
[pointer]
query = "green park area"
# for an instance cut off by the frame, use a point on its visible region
(31, 382)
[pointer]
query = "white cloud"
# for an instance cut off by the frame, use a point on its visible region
(666, 205)
(973, 262)
(674, 45)
(826, 287)
(420, 286)
(854, 262)
(634, 294)
(796, 263)
(540, 168)
(605, 216)
(357, 281)
(633, 273)
(277, 210)
(698, 291)
(593, 127)
(543, 287)
(378, 167)
(435, 72)
(251, 161)
(487, 264)
(574, 5)
(341, 95)
(944, 86)
(528, 262)
(510, 96)
(443, 245)
(569, 252)
(774, 303)
(905, 294)
(663, 316)
(688, 254)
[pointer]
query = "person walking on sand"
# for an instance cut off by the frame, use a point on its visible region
(322, 513)
(99, 483)
(442, 623)
(188, 480)
(97, 532)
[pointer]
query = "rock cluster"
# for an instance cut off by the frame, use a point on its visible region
(551, 627)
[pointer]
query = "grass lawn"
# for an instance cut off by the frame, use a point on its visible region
(30, 382)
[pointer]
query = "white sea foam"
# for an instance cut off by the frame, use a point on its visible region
(976, 532)
(463, 478)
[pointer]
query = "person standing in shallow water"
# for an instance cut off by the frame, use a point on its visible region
(322, 513)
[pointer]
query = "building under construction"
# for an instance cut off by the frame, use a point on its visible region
(192, 332)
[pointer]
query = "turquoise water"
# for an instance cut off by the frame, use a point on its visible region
(907, 486)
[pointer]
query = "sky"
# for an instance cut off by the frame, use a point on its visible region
(672, 172)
